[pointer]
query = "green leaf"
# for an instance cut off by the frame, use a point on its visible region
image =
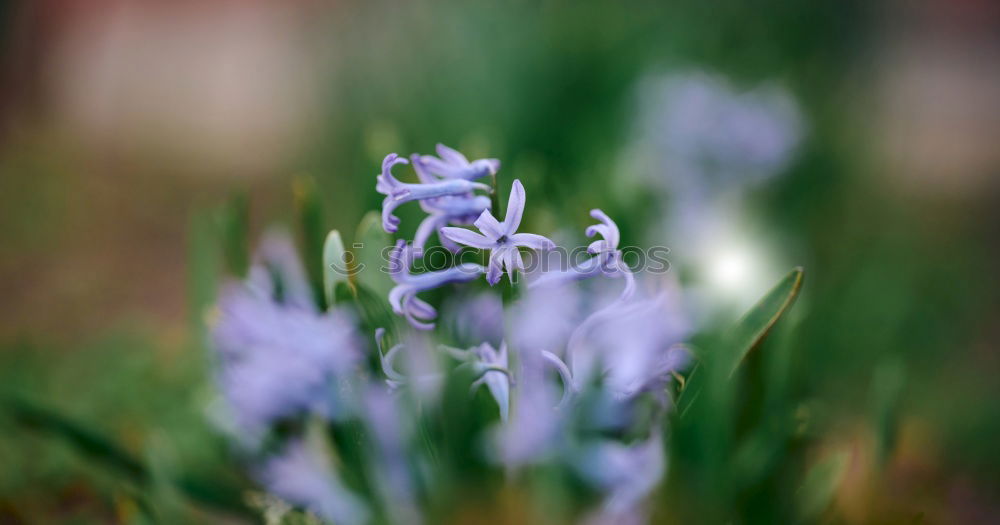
(820, 486)
(202, 271)
(214, 491)
(372, 246)
(311, 229)
(888, 381)
(234, 221)
(336, 261)
(748, 333)
(756, 324)
(92, 443)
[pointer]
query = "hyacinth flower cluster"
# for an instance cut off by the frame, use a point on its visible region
(580, 379)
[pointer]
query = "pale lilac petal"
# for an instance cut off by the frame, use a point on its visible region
(489, 225)
(427, 227)
(517, 263)
(515, 208)
(600, 246)
(495, 268)
(396, 297)
(532, 241)
(451, 156)
(420, 308)
(390, 223)
(467, 237)
(423, 170)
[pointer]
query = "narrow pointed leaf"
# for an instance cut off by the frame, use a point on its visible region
(336, 268)
(756, 324)
(234, 222)
(311, 229)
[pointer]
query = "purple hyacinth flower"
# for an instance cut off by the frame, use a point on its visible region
(403, 297)
(462, 210)
(452, 165)
(501, 238)
(302, 476)
(627, 473)
(278, 271)
(632, 346)
(278, 360)
(607, 260)
(398, 193)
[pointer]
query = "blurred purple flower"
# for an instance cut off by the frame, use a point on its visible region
(398, 193)
(278, 273)
(277, 360)
(302, 476)
(501, 238)
(403, 297)
(452, 165)
(532, 434)
(475, 317)
(627, 473)
(631, 346)
(386, 423)
(424, 375)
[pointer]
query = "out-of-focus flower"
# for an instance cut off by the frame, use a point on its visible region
(501, 238)
(301, 475)
(423, 372)
(403, 297)
(277, 272)
(627, 473)
(709, 137)
(385, 421)
(532, 433)
(475, 318)
(630, 346)
(278, 359)
(397, 193)
(452, 165)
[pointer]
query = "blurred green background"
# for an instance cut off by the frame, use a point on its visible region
(122, 122)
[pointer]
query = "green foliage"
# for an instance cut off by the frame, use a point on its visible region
(311, 228)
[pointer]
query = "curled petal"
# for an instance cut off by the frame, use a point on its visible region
(420, 308)
(515, 208)
(532, 241)
(396, 297)
(569, 387)
(414, 314)
(466, 237)
(608, 229)
(390, 223)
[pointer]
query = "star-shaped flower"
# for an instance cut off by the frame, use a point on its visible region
(501, 238)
